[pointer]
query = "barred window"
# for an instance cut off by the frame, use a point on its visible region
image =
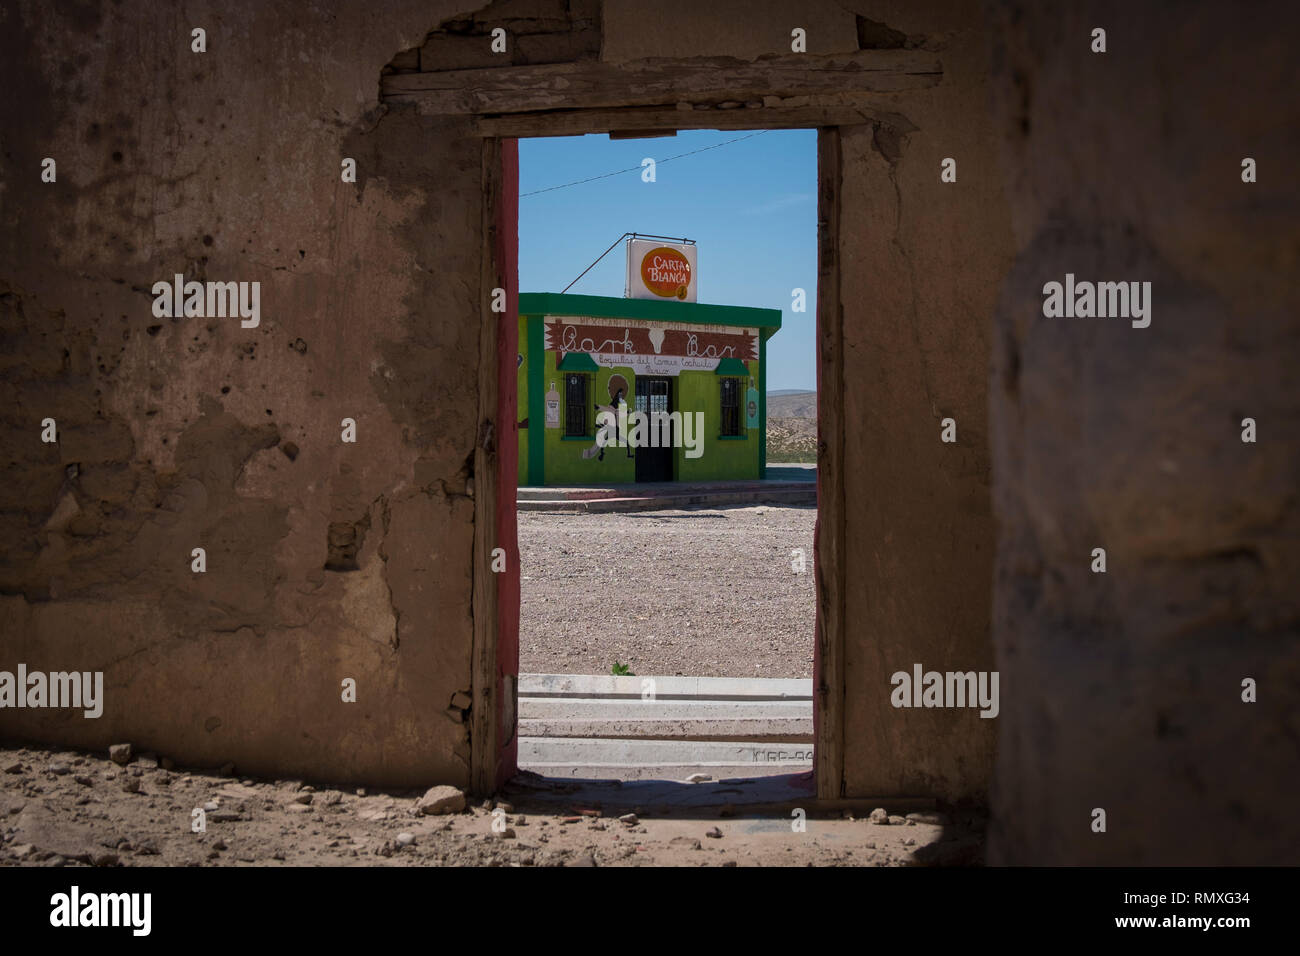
(575, 406)
(731, 420)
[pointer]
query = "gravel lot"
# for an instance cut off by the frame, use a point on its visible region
(705, 592)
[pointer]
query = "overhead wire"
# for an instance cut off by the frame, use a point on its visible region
(619, 172)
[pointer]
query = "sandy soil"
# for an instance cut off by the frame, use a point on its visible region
(63, 808)
(704, 592)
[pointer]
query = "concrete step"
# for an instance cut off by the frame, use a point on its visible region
(754, 720)
(600, 759)
(794, 496)
(650, 489)
(798, 729)
(615, 708)
(592, 686)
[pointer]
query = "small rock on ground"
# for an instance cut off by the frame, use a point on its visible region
(441, 799)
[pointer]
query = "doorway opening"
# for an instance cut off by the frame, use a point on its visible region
(654, 396)
(667, 615)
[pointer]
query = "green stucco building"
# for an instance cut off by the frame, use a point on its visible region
(696, 373)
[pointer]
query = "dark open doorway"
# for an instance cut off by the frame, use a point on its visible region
(654, 396)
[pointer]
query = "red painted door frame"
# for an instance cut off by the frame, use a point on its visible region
(507, 656)
(828, 675)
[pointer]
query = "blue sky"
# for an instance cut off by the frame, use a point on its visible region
(751, 207)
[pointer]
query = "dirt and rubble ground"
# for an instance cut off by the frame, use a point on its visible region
(68, 808)
(705, 592)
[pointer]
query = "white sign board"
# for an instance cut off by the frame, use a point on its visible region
(660, 270)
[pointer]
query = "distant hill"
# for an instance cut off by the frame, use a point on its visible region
(791, 425)
(791, 403)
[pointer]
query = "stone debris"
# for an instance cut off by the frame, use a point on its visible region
(120, 754)
(699, 778)
(262, 822)
(441, 799)
(879, 817)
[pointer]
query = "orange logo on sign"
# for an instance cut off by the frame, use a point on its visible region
(666, 272)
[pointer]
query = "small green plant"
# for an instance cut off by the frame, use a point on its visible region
(621, 670)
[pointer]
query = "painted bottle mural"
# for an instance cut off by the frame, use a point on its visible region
(552, 408)
(751, 405)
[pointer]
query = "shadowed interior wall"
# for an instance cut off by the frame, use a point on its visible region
(325, 560)
(921, 263)
(1123, 690)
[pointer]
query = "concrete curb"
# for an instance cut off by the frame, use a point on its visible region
(801, 496)
(595, 686)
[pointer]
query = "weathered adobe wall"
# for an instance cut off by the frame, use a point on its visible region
(379, 282)
(195, 432)
(1123, 689)
(921, 264)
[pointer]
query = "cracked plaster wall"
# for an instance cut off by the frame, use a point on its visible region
(194, 432)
